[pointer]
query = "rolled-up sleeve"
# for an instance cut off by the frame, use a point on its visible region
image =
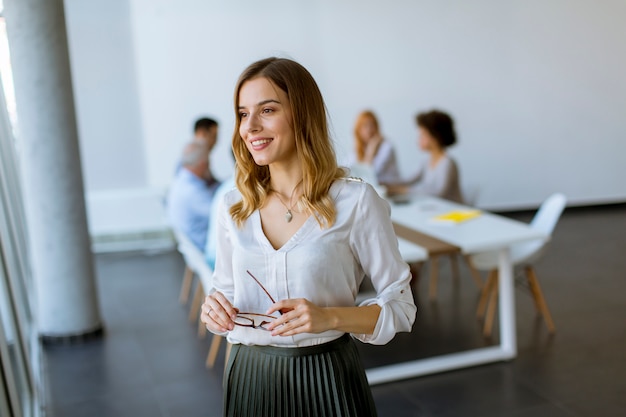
(375, 246)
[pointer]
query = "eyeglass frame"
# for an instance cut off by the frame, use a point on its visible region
(253, 324)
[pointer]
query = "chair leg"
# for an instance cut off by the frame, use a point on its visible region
(475, 274)
(196, 302)
(202, 331)
(185, 288)
(491, 308)
(540, 301)
(213, 350)
(484, 294)
(229, 347)
(454, 263)
(433, 277)
(533, 290)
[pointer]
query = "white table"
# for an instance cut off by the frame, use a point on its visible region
(488, 232)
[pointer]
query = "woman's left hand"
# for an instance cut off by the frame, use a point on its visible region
(299, 315)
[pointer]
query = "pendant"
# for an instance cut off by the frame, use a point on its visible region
(288, 216)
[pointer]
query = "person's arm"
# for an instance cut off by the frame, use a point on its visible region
(404, 186)
(413, 179)
(371, 149)
(302, 316)
(375, 246)
(218, 312)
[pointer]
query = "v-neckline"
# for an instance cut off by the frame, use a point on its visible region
(291, 242)
(306, 227)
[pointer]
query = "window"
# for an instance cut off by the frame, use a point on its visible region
(19, 346)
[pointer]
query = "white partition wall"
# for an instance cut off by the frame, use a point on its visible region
(536, 88)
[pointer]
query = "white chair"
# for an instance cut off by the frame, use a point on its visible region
(195, 264)
(523, 256)
(470, 194)
(410, 252)
(186, 248)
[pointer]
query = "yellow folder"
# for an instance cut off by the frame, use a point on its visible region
(456, 216)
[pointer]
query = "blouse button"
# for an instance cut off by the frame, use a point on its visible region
(401, 291)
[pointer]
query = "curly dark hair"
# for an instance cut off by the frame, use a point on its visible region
(440, 126)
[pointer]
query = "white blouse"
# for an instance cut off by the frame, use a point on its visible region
(325, 266)
(440, 181)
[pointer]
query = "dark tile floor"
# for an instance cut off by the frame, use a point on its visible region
(151, 363)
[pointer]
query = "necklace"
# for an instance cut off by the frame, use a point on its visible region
(288, 214)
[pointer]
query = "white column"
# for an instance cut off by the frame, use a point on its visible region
(63, 270)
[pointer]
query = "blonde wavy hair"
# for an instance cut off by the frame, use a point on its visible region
(359, 142)
(313, 144)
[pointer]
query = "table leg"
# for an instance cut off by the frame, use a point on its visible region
(506, 350)
(508, 339)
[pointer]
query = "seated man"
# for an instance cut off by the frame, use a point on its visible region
(205, 130)
(190, 197)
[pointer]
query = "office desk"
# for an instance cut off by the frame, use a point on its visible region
(488, 232)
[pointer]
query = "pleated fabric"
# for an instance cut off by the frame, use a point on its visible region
(316, 381)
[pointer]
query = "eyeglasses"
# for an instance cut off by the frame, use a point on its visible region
(255, 320)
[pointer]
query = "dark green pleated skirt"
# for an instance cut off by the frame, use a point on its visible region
(316, 381)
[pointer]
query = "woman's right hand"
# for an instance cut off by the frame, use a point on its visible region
(371, 148)
(218, 314)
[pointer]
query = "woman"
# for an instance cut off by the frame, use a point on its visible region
(372, 150)
(439, 176)
(295, 241)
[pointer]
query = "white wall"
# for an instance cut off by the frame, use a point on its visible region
(189, 61)
(536, 88)
(120, 198)
(105, 90)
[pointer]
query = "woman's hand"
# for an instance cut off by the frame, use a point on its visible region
(371, 148)
(218, 314)
(299, 315)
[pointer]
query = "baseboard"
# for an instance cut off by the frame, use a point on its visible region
(128, 220)
(569, 209)
(130, 242)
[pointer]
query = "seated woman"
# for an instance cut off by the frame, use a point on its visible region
(372, 151)
(438, 177)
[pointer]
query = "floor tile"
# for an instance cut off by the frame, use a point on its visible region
(137, 404)
(191, 397)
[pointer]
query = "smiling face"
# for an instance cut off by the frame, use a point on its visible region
(266, 124)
